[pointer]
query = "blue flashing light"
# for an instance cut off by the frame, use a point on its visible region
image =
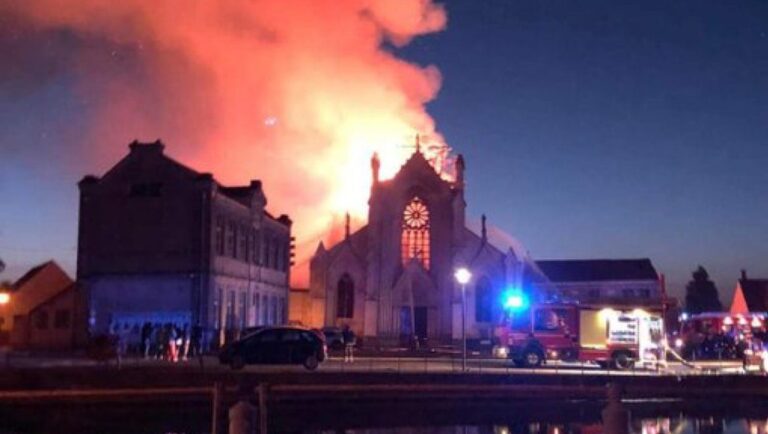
(515, 300)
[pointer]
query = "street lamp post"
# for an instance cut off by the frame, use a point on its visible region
(462, 276)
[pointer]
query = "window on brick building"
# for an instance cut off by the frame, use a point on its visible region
(231, 248)
(41, 320)
(243, 310)
(219, 236)
(257, 248)
(242, 239)
(61, 319)
(280, 259)
(275, 254)
(256, 310)
(264, 310)
(273, 313)
(231, 309)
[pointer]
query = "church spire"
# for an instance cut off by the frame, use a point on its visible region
(418, 144)
(346, 226)
(484, 230)
(460, 171)
(375, 166)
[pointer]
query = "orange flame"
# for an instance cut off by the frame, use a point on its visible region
(299, 93)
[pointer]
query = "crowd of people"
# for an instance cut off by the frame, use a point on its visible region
(170, 342)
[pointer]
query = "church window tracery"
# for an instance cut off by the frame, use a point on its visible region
(415, 232)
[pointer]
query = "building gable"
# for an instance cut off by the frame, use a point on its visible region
(38, 285)
(147, 162)
(755, 294)
(418, 173)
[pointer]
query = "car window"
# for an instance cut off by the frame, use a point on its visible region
(291, 336)
(268, 336)
(307, 336)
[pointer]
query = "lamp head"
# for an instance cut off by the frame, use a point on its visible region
(462, 275)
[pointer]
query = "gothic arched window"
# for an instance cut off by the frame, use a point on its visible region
(345, 297)
(415, 236)
(483, 300)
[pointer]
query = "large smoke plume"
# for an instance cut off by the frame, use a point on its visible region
(298, 93)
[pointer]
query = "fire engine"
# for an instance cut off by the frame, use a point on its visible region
(533, 334)
(720, 335)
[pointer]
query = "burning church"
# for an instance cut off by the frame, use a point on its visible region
(392, 280)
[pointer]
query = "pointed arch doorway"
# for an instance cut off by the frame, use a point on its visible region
(415, 306)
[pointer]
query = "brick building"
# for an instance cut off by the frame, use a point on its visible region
(159, 242)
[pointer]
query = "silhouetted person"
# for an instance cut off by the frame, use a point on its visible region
(196, 340)
(146, 339)
(161, 341)
(173, 347)
(185, 342)
(349, 344)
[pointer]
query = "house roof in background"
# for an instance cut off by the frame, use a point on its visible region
(755, 293)
(592, 270)
(29, 275)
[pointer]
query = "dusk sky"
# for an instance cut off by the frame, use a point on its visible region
(591, 129)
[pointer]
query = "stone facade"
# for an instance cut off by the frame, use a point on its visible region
(159, 242)
(393, 279)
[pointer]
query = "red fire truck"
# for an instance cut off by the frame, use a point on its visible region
(610, 337)
(720, 335)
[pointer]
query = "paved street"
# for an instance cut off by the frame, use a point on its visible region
(393, 365)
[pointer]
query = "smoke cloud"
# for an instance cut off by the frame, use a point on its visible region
(298, 93)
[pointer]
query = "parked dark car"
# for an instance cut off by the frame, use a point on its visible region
(276, 345)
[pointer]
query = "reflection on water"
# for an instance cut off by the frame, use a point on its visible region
(665, 425)
(355, 417)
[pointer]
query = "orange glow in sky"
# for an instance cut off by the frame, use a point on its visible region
(297, 93)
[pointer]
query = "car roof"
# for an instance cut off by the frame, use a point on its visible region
(260, 330)
(263, 329)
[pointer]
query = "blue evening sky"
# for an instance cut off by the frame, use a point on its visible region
(591, 129)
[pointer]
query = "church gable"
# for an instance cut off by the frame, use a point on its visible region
(344, 258)
(484, 259)
(354, 245)
(418, 173)
(477, 249)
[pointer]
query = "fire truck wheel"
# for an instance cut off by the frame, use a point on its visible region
(533, 358)
(623, 360)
